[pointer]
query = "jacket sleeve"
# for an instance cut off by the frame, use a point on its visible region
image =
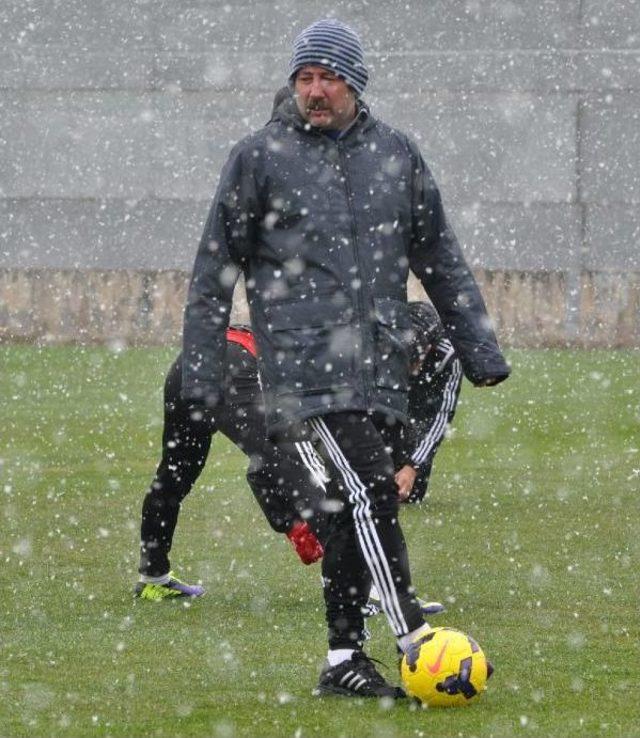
(228, 238)
(436, 258)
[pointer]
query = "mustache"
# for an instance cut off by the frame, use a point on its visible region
(316, 106)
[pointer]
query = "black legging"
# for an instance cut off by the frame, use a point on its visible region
(282, 488)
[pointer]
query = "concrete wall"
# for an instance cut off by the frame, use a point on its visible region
(116, 116)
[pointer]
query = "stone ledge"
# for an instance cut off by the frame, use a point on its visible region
(125, 307)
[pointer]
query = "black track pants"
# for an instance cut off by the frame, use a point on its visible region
(282, 488)
(365, 542)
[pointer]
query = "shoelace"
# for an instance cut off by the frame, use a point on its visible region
(369, 669)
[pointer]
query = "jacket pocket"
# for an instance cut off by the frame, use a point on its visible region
(393, 337)
(313, 346)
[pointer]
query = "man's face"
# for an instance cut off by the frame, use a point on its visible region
(324, 99)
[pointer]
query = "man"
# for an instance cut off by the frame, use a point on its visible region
(325, 210)
(285, 495)
(434, 388)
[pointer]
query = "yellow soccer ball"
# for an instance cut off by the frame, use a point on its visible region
(445, 668)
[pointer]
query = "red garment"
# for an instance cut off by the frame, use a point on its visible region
(304, 540)
(244, 337)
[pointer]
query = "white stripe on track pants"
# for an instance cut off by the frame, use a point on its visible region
(366, 543)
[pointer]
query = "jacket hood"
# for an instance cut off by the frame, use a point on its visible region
(281, 96)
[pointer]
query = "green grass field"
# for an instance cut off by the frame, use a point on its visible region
(531, 535)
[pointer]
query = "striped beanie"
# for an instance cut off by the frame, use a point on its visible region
(330, 43)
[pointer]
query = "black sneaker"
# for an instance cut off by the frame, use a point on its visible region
(357, 677)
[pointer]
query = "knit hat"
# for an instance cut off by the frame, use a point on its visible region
(332, 44)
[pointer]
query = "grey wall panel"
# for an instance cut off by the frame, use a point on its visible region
(438, 24)
(121, 144)
(494, 147)
(463, 25)
(58, 68)
(612, 238)
(607, 70)
(118, 114)
(479, 70)
(611, 148)
(77, 145)
(611, 24)
(192, 25)
(80, 23)
(193, 135)
(197, 24)
(62, 68)
(224, 69)
(110, 234)
(538, 237)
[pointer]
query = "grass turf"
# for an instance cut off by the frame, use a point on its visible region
(531, 535)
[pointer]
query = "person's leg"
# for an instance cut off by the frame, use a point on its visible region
(281, 484)
(369, 544)
(346, 584)
(185, 445)
(365, 544)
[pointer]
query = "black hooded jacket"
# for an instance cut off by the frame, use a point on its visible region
(325, 233)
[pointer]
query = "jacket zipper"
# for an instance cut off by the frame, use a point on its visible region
(362, 311)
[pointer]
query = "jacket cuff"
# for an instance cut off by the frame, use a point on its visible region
(490, 379)
(478, 371)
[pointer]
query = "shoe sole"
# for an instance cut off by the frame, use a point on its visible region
(433, 609)
(180, 596)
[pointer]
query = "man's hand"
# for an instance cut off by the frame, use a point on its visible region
(489, 382)
(405, 478)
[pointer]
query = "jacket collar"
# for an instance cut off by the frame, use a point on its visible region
(286, 111)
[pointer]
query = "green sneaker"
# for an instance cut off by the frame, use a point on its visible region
(172, 590)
